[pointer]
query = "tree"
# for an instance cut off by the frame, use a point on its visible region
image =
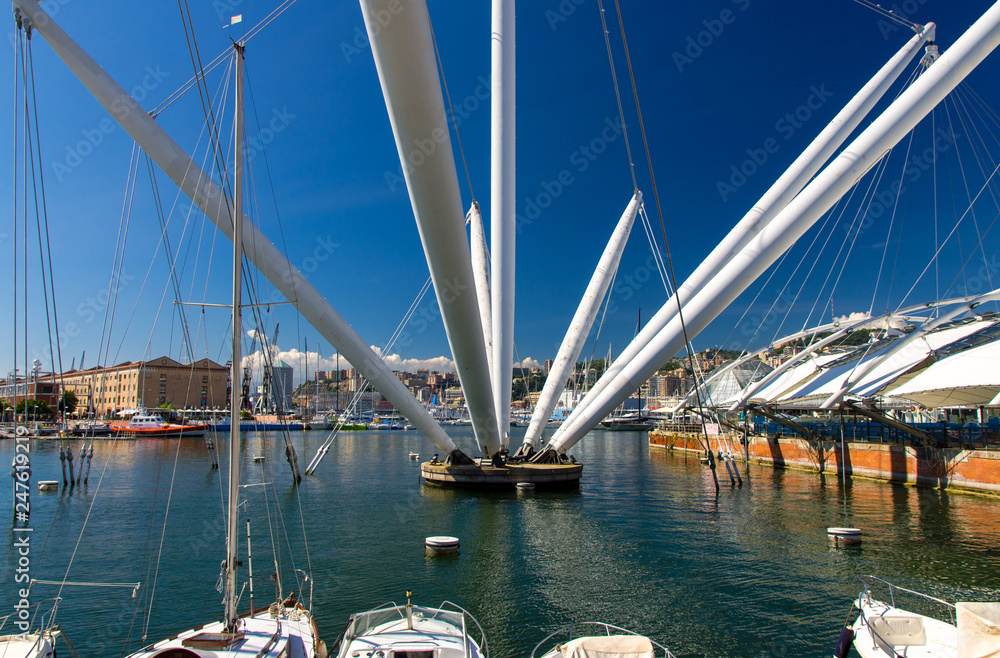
(36, 408)
(68, 402)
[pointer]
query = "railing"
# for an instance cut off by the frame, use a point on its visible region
(943, 435)
(892, 589)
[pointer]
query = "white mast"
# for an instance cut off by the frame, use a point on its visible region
(581, 324)
(200, 188)
(403, 49)
(819, 196)
(502, 211)
(481, 271)
(767, 207)
(234, 402)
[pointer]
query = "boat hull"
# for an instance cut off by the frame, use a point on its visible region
(487, 476)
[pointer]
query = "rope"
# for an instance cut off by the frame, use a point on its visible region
(659, 211)
(335, 431)
(14, 211)
(451, 110)
(618, 96)
(891, 15)
(52, 322)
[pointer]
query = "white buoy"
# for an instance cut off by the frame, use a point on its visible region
(844, 535)
(414, 456)
(441, 545)
(525, 485)
(48, 485)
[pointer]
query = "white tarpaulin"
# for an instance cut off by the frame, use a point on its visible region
(609, 646)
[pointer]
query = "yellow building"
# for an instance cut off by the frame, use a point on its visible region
(147, 384)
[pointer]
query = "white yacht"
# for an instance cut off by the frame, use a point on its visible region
(886, 630)
(592, 639)
(412, 631)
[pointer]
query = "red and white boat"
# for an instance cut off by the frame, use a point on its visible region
(148, 425)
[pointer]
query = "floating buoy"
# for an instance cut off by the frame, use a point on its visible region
(525, 485)
(414, 456)
(48, 485)
(441, 545)
(844, 535)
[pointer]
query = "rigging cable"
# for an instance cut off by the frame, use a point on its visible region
(451, 111)
(618, 96)
(18, 47)
(663, 229)
(55, 360)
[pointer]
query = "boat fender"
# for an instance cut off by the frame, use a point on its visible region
(844, 643)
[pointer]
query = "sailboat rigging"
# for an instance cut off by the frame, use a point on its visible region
(285, 627)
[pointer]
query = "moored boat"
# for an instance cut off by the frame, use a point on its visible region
(412, 631)
(150, 426)
(887, 630)
(591, 639)
(627, 423)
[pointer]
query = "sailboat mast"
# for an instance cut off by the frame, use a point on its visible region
(234, 402)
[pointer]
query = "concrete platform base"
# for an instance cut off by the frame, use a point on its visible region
(486, 476)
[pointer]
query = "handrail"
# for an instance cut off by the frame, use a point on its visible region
(892, 596)
(485, 648)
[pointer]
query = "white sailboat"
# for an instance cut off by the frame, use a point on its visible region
(284, 628)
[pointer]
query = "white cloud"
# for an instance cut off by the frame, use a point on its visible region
(396, 362)
(528, 363)
(298, 359)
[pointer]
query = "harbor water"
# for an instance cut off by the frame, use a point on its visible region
(645, 543)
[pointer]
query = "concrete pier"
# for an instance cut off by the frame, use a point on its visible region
(487, 476)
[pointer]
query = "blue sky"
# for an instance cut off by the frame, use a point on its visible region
(715, 80)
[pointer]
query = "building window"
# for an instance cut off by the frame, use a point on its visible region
(163, 378)
(204, 379)
(163, 389)
(204, 390)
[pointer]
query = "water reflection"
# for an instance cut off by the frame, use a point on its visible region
(646, 542)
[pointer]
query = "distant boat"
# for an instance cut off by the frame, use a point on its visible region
(144, 425)
(628, 423)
